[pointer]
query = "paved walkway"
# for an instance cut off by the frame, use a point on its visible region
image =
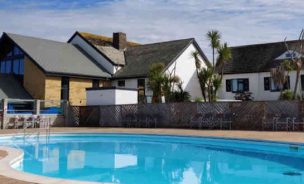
(273, 136)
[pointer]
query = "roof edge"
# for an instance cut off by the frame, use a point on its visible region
(5, 35)
(259, 44)
(95, 48)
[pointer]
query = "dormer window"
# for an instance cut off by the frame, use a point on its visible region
(290, 55)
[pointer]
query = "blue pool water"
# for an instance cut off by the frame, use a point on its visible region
(152, 159)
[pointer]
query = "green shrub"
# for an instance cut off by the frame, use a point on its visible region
(198, 99)
(286, 95)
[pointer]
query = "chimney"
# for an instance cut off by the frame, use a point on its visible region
(120, 40)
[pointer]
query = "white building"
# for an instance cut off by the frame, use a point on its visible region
(250, 67)
(129, 62)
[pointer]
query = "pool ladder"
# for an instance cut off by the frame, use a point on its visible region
(34, 130)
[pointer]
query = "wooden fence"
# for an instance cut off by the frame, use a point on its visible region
(246, 115)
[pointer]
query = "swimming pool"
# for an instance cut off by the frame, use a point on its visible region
(159, 159)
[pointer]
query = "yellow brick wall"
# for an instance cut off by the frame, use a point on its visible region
(45, 87)
(52, 90)
(78, 94)
(34, 79)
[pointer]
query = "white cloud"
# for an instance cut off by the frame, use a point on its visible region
(240, 22)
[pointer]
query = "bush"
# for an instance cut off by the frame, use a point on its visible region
(198, 99)
(286, 95)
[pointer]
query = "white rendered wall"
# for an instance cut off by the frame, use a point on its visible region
(77, 40)
(256, 86)
(186, 71)
(126, 97)
(132, 83)
(111, 97)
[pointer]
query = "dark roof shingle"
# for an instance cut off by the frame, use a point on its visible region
(256, 58)
(140, 58)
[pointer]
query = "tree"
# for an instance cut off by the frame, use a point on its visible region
(201, 81)
(216, 84)
(155, 81)
(210, 81)
(180, 95)
(224, 56)
(278, 76)
(297, 59)
(168, 85)
(288, 67)
(206, 75)
(214, 37)
(164, 84)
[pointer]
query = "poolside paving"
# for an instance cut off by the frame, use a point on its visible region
(259, 135)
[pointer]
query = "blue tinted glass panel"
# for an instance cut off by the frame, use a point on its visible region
(2, 66)
(17, 51)
(8, 67)
(10, 54)
(16, 66)
(21, 66)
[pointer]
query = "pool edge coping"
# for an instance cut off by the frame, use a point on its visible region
(16, 155)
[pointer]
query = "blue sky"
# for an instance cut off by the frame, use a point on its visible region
(240, 21)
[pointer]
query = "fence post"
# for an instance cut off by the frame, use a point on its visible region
(37, 107)
(4, 112)
(66, 112)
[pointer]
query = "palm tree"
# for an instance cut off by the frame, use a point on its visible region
(278, 76)
(168, 85)
(214, 37)
(156, 79)
(201, 81)
(297, 61)
(224, 56)
(216, 84)
(288, 66)
(206, 75)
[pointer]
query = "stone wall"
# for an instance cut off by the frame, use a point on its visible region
(34, 80)
(41, 86)
(78, 91)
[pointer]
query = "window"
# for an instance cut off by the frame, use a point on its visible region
(141, 83)
(289, 55)
(270, 85)
(17, 51)
(8, 66)
(13, 63)
(95, 83)
(141, 90)
(3, 67)
(21, 66)
(65, 88)
(237, 85)
(121, 83)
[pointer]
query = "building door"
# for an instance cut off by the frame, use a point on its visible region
(141, 90)
(65, 88)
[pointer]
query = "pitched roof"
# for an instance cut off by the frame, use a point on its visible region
(256, 58)
(105, 46)
(57, 57)
(102, 40)
(140, 58)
